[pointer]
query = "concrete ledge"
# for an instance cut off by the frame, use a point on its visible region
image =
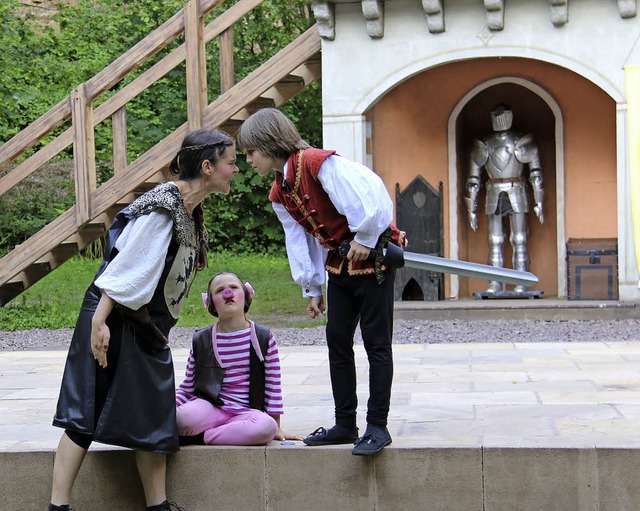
(296, 478)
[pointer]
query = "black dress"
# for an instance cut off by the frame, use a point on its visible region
(131, 403)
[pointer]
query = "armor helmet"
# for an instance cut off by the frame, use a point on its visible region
(501, 117)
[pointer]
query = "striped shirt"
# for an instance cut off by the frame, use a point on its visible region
(234, 349)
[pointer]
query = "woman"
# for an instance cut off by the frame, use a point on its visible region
(118, 385)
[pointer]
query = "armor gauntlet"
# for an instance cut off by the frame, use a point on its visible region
(473, 189)
(535, 179)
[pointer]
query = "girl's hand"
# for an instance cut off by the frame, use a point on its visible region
(284, 435)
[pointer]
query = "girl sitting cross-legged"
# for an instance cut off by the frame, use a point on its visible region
(231, 393)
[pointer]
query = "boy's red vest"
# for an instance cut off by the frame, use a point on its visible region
(308, 204)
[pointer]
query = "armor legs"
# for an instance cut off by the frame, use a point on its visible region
(496, 245)
(518, 240)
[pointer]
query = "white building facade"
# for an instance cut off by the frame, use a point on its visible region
(386, 61)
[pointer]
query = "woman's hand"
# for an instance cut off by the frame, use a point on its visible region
(100, 334)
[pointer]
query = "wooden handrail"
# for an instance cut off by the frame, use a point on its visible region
(144, 50)
(103, 81)
(62, 113)
(260, 80)
(281, 77)
(33, 133)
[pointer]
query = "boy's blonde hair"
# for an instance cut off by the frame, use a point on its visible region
(270, 132)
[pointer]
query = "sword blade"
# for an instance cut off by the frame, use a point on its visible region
(467, 269)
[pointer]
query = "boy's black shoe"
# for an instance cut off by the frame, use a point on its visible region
(334, 436)
(374, 440)
(65, 507)
(165, 506)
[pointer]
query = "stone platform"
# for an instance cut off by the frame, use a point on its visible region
(486, 427)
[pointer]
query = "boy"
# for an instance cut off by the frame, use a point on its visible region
(323, 200)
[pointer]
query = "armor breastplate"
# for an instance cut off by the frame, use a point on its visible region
(502, 162)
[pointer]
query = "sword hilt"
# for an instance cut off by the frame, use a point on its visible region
(344, 248)
(392, 255)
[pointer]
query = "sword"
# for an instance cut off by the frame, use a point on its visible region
(395, 256)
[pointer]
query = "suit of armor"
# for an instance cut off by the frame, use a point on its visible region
(505, 155)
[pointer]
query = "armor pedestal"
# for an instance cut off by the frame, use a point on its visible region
(483, 295)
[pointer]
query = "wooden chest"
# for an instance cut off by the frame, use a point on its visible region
(592, 269)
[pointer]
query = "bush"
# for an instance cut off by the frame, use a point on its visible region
(54, 301)
(43, 62)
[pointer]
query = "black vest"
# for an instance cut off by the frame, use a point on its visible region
(208, 374)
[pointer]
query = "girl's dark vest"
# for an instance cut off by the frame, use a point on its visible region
(208, 374)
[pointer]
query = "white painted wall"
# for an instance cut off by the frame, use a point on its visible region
(596, 43)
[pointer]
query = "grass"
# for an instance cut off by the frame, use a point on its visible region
(54, 301)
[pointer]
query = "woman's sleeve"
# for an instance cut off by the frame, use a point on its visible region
(132, 276)
(306, 255)
(359, 194)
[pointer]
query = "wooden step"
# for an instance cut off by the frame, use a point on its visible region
(231, 127)
(253, 107)
(10, 290)
(309, 71)
(59, 255)
(34, 272)
(284, 90)
(87, 235)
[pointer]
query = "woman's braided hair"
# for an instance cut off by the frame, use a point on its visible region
(197, 147)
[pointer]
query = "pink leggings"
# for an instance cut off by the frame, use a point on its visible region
(224, 428)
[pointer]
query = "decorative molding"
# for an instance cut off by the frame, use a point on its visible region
(325, 13)
(495, 14)
(485, 35)
(435, 15)
(628, 8)
(373, 11)
(559, 12)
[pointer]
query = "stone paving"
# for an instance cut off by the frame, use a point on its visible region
(578, 394)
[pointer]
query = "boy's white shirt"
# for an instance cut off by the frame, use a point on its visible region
(357, 193)
(125, 279)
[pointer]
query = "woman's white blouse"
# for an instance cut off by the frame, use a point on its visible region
(132, 276)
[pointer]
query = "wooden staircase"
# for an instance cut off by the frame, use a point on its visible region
(272, 84)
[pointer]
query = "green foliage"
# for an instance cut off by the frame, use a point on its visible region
(43, 62)
(19, 99)
(244, 220)
(54, 301)
(276, 293)
(27, 207)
